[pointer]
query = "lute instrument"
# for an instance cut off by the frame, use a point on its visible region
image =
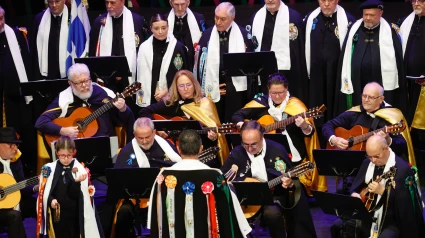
(10, 194)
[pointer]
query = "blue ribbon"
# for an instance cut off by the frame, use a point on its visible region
(45, 171)
(130, 160)
(188, 187)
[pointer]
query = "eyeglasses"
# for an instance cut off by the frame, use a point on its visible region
(65, 156)
(12, 144)
(183, 86)
(371, 98)
(85, 81)
(278, 93)
(253, 145)
(371, 157)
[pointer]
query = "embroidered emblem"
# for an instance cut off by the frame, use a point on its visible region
(209, 90)
(139, 97)
(130, 160)
(202, 25)
(293, 31)
(166, 158)
(136, 39)
(105, 100)
(336, 32)
(258, 95)
(254, 42)
(355, 38)
(315, 20)
(346, 84)
(248, 29)
(178, 62)
(279, 165)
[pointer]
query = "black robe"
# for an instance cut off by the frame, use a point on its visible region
(233, 100)
(17, 113)
(182, 34)
(406, 214)
(324, 55)
(349, 119)
(299, 220)
(366, 67)
(297, 75)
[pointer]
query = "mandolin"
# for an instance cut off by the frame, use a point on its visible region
(297, 171)
(10, 196)
(357, 135)
(85, 119)
(368, 197)
(271, 126)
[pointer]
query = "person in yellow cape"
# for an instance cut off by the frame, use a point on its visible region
(302, 139)
(185, 99)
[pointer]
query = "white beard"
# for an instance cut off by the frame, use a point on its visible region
(83, 96)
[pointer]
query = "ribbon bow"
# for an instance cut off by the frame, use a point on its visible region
(222, 184)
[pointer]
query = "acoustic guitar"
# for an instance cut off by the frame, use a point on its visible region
(85, 118)
(369, 197)
(357, 135)
(10, 196)
(271, 126)
(297, 171)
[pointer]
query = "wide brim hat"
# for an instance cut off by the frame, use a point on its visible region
(8, 135)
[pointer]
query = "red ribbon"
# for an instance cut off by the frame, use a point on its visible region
(40, 210)
(207, 189)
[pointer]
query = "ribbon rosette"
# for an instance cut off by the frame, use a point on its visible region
(207, 188)
(222, 184)
(45, 171)
(92, 190)
(188, 189)
(170, 182)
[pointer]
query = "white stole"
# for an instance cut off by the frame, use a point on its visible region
(90, 224)
(195, 32)
(128, 35)
(141, 158)
(6, 165)
(389, 70)
(369, 176)
(342, 22)
(258, 166)
(405, 30)
(144, 66)
(43, 42)
(280, 41)
(236, 45)
(17, 57)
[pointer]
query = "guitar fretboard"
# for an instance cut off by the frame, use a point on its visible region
(18, 186)
(364, 137)
(284, 123)
(97, 113)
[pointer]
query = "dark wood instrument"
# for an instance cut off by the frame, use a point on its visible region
(10, 196)
(271, 126)
(297, 171)
(85, 118)
(369, 197)
(358, 135)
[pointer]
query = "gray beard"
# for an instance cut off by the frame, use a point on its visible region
(83, 96)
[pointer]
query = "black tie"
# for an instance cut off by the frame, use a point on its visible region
(65, 170)
(258, 154)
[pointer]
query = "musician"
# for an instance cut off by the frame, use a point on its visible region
(10, 164)
(399, 214)
(82, 92)
(264, 160)
(374, 113)
(190, 146)
(372, 52)
(185, 100)
(66, 196)
(186, 25)
(224, 37)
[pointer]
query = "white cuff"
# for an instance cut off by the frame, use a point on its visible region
(330, 138)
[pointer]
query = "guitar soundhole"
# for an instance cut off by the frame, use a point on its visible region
(80, 125)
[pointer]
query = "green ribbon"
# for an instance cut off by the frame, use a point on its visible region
(222, 184)
(410, 183)
(349, 97)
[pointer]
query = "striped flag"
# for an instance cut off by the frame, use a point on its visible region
(79, 30)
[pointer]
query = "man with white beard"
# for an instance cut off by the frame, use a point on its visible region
(82, 92)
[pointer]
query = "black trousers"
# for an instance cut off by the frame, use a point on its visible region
(273, 218)
(354, 228)
(13, 221)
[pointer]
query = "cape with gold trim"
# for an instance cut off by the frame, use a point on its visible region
(311, 181)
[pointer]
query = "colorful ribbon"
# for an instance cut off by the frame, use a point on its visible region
(195, 66)
(188, 189)
(159, 181)
(170, 182)
(207, 189)
(222, 184)
(45, 173)
(410, 183)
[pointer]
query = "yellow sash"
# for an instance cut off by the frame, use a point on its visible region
(419, 117)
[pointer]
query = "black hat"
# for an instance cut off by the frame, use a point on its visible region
(372, 4)
(8, 135)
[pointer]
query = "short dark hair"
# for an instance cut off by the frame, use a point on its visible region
(65, 143)
(189, 142)
(158, 17)
(253, 125)
(277, 79)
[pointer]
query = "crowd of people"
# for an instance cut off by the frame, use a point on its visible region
(368, 72)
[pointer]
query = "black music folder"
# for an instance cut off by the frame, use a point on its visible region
(106, 66)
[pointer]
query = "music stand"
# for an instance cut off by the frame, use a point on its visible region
(234, 140)
(341, 163)
(47, 89)
(251, 65)
(253, 193)
(343, 206)
(131, 183)
(173, 128)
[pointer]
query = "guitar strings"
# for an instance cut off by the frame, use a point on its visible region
(15, 186)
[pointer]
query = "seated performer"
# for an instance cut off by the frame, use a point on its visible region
(400, 213)
(185, 99)
(10, 164)
(159, 58)
(64, 190)
(280, 105)
(373, 114)
(191, 171)
(83, 93)
(263, 160)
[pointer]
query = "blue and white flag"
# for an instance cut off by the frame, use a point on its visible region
(79, 30)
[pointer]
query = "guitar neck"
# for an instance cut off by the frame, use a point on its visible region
(276, 181)
(283, 123)
(98, 112)
(18, 186)
(364, 137)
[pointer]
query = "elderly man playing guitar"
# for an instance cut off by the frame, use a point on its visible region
(63, 115)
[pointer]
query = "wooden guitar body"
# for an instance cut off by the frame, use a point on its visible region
(160, 117)
(265, 121)
(73, 120)
(347, 134)
(10, 200)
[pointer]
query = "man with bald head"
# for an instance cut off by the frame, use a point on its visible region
(400, 214)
